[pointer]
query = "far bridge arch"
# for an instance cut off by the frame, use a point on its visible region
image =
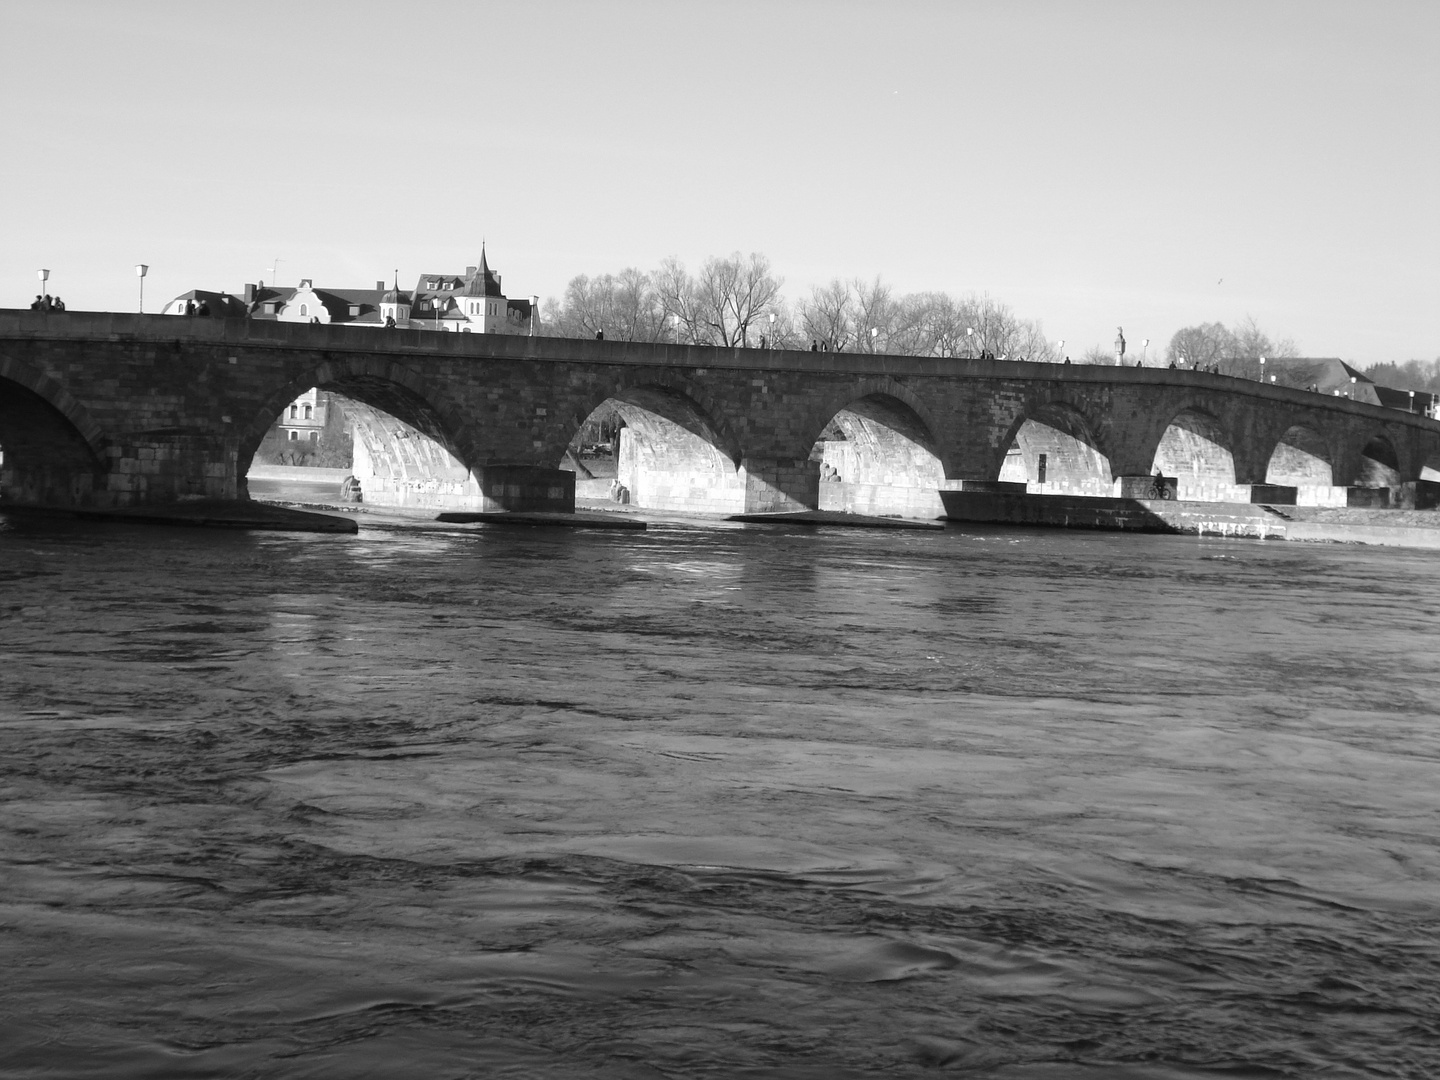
(1301, 458)
(877, 453)
(412, 446)
(1053, 449)
(1378, 465)
(51, 450)
(659, 444)
(1195, 448)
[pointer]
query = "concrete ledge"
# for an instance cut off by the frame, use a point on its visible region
(210, 514)
(1416, 529)
(577, 520)
(833, 517)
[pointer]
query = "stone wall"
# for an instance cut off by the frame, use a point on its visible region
(154, 409)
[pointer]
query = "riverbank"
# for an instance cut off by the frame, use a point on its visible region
(1311, 524)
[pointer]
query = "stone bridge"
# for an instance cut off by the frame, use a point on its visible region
(103, 409)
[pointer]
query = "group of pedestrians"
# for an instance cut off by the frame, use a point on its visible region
(48, 303)
(202, 309)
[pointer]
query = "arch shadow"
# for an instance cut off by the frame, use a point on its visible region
(1195, 448)
(46, 457)
(1378, 464)
(1301, 458)
(374, 381)
(671, 448)
(1053, 448)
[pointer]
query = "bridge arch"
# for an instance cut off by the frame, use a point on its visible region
(1195, 448)
(51, 450)
(876, 452)
(1053, 448)
(1378, 464)
(383, 385)
(657, 442)
(1301, 457)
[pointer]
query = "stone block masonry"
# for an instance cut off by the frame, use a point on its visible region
(109, 409)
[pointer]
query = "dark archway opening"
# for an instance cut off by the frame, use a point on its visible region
(877, 456)
(1379, 465)
(1195, 450)
(44, 460)
(1300, 459)
(656, 448)
(1054, 453)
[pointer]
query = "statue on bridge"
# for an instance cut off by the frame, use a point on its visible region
(1119, 346)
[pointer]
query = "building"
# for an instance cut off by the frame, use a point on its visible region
(469, 303)
(1331, 375)
(304, 418)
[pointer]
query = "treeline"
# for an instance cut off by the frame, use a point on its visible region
(1422, 376)
(736, 301)
(1230, 351)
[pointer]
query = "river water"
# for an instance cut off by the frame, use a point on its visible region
(715, 800)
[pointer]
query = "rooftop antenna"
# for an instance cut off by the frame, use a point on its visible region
(275, 274)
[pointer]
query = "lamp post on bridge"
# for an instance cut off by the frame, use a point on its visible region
(44, 276)
(141, 269)
(1262, 369)
(969, 348)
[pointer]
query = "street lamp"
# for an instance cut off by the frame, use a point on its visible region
(1144, 346)
(874, 333)
(1352, 387)
(1262, 369)
(771, 339)
(44, 276)
(1412, 400)
(140, 271)
(969, 348)
(1060, 348)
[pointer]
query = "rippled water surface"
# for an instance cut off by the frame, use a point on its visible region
(734, 801)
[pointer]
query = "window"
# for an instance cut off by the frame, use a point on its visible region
(294, 435)
(308, 412)
(304, 309)
(294, 411)
(314, 436)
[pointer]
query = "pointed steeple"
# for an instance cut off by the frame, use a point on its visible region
(484, 266)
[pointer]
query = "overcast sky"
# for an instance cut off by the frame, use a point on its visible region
(1151, 165)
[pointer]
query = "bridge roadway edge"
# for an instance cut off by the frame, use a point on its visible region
(164, 405)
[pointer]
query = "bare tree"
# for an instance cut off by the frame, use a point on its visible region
(827, 317)
(875, 315)
(680, 301)
(1201, 346)
(637, 312)
(1230, 352)
(734, 294)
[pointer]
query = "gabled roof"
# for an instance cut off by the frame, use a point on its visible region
(1326, 374)
(222, 304)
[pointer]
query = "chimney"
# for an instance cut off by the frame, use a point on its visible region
(249, 293)
(470, 271)
(379, 286)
